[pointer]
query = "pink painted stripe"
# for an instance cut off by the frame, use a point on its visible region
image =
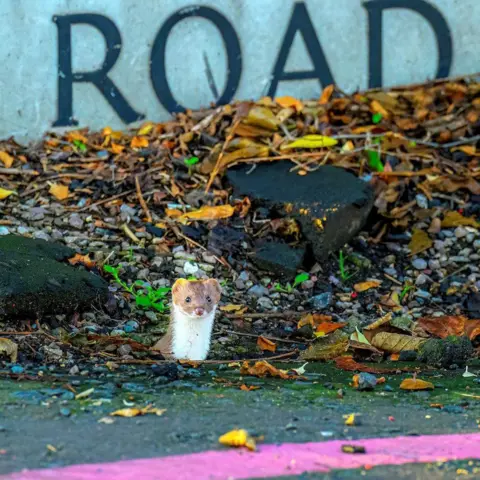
(271, 460)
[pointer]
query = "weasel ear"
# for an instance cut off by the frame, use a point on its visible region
(178, 285)
(213, 283)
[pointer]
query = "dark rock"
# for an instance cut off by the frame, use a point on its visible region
(366, 381)
(225, 239)
(453, 409)
(31, 397)
(279, 258)
(33, 281)
(407, 356)
(155, 231)
(473, 305)
(133, 387)
(446, 352)
(322, 300)
(168, 370)
(330, 204)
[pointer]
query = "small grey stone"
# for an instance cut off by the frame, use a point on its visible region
(124, 350)
(74, 370)
(258, 291)
(366, 381)
(390, 271)
(433, 264)
(265, 302)
(421, 279)
(476, 244)
(23, 230)
(461, 232)
(190, 268)
(439, 245)
(208, 258)
(322, 300)
(127, 210)
(459, 259)
(4, 230)
(152, 316)
(448, 233)
(245, 276)
(423, 294)
(40, 235)
(419, 264)
(470, 237)
(475, 256)
(143, 274)
(76, 221)
(422, 200)
(239, 284)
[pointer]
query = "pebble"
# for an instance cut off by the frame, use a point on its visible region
(4, 230)
(461, 232)
(421, 279)
(131, 326)
(476, 244)
(433, 264)
(74, 370)
(423, 294)
(208, 258)
(459, 259)
(322, 300)
(239, 284)
(17, 369)
(422, 200)
(190, 268)
(470, 237)
(439, 245)
(40, 235)
(124, 350)
(258, 291)
(245, 277)
(448, 233)
(265, 302)
(76, 221)
(152, 316)
(419, 264)
(390, 271)
(366, 381)
(65, 412)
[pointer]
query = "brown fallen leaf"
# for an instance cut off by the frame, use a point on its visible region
(265, 344)
(381, 321)
(349, 364)
(6, 159)
(231, 308)
(328, 327)
(416, 384)
(364, 286)
(9, 348)
(455, 219)
(287, 102)
(261, 117)
(59, 191)
(264, 369)
(396, 342)
(419, 242)
(82, 259)
(443, 326)
(326, 348)
(208, 213)
(314, 320)
(139, 142)
(249, 388)
(326, 94)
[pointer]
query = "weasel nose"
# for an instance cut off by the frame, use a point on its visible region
(199, 311)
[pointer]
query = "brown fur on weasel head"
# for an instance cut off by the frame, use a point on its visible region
(196, 298)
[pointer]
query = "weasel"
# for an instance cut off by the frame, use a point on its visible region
(194, 303)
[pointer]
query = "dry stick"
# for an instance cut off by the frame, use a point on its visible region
(106, 200)
(129, 233)
(266, 315)
(216, 169)
(461, 269)
(19, 171)
(253, 335)
(142, 201)
(209, 362)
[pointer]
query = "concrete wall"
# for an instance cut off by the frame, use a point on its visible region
(112, 62)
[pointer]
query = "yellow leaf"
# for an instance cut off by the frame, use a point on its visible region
(262, 117)
(237, 438)
(350, 419)
(9, 348)
(455, 219)
(173, 212)
(419, 242)
(59, 191)
(381, 321)
(416, 384)
(311, 141)
(364, 286)
(145, 129)
(287, 102)
(116, 148)
(231, 308)
(135, 412)
(208, 213)
(6, 159)
(139, 142)
(396, 342)
(106, 131)
(5, 193)
(75, 135)
(82, 259)
(85, 393)
(266, 344)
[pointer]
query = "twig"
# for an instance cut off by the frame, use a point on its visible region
(106, 200)
(267, 315)
(461, 269)
(142, 201)
(253, 335)
(129, 233)
(216, 169)
(19, 171)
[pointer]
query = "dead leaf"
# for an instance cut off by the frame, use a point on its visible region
(328, 327)
(249, 388)
(349, 364)
(9, 348)
(311, 141)
(314, 320)
(82, 259)
(416, 384)
(139, 142)
(135, 412)
(396, 342)
(238, 438)
(116, 148)
(288, 102)
(350, 419)
(377, 107)
(364, 286)
(326, 94)
(261, 117)
(5, 193)
(381, 321)
(326, 348)
(145, 129)
(443, 326)
(264, 369)
(231, 307)
(419, 242)
(455, 219)
(208, 213)
(6, 159)
(59, 191)
(266, 344)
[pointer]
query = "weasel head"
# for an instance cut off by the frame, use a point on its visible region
(196, 298)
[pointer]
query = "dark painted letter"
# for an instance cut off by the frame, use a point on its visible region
(428, 12)
(300, 22)
(158, 72)
(99, 77)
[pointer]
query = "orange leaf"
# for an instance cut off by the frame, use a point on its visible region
(83, 259)
(287, 102)
(377, 107)
(416, 384)
(59, 191)
(349, 364)
(116, 148)
(75, 135)
(443, 326)
(355, 380)
(328, 327)
(326, 94)
(6, 159)
(173, 212)
(249, 388)
(364, 286)
(266, 344)
(313, 320)
(139, 142)
(209, 213)
(264, 369)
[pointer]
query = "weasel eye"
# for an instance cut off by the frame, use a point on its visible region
(209, 300)
(188, 299)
